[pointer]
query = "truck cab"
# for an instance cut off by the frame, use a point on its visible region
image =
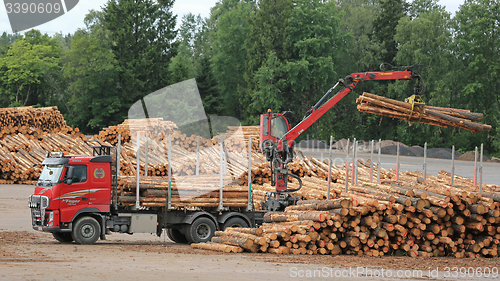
(273, 126)
(68, 187)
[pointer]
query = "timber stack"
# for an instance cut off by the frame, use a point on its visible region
(184, 161)
(378, 220)
(19, 155)
(438, 116)
(301, 167)
(156, 128)
(245, 132)
(192, 191)
(34, 123)
(409, 216)
(27, 134)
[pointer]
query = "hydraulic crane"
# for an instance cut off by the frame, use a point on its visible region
(277, 137)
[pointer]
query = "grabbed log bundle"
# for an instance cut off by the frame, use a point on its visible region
(438, 116)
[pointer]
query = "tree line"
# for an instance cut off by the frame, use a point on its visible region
(249, 56)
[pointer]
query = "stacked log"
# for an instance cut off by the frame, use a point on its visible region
(16, 163)
(156, 128)
(301, 167)
(461, 225)
(412, 216)
(185, 162)
(245, 132)
(19, 155)
(193, 191)
(438, 116)
(34, 123)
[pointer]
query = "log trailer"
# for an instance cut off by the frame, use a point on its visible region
(75, 197)
(277, 136)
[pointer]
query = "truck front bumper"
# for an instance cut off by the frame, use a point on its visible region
(65, 227)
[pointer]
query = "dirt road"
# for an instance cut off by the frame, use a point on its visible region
(29, 255)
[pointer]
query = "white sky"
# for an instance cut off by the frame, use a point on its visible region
(73, 20)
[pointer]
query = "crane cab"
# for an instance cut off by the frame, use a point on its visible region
(273, 126)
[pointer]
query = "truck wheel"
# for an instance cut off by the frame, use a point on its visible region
(176, 235)
(86, 231)
(201, 230)
(235, 222)
(63, 237)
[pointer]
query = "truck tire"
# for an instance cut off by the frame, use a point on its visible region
(201, 230)
(176, 235)
(86, 231)
(235, 222)
(63, 237)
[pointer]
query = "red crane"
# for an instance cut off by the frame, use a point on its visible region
(277, 137)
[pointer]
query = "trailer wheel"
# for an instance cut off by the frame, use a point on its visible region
(63, 237)
(201, 230)
(235, 222)
(86, 231)
(176, 235)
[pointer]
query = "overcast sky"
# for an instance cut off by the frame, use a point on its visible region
(73, 20)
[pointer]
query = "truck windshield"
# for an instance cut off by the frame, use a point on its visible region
(50, 174)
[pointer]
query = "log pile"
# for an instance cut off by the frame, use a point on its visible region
(34, 123)
(155, 127)
(29, 133)
(412, 216)
(193, 191)
(301, 166)
(18, 155)
(377, 221)
(245, 132)
(184, 162)
(438, 116)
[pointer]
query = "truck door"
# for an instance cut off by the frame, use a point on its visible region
(100, 185)
(74, 196)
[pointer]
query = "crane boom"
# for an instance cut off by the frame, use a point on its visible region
(350, 83)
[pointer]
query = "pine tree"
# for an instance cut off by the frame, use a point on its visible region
(385, 25)
(143, 36)
(207, 86)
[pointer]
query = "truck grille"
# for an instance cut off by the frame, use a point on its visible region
(38, 204)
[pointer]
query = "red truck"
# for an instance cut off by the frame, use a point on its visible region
(75, 200)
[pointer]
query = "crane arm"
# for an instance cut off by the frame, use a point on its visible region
(349, 83)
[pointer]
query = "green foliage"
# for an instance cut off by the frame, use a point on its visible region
(24, 66)
(230, 26)
(315, 40)
(142, 35)
(249, 56)
(189, 49)
(207, 86)
(5, 41)
(93, 73)
(391, 11)
(362, 52)
(478, 41)
(267, 53)
(418, 7)
(292, 52)
(266, 48)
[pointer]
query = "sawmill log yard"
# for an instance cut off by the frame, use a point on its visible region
(211, 211)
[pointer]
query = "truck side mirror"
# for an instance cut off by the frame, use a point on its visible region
(69, 175)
